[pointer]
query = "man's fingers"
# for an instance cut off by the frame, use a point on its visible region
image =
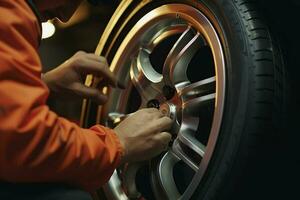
(98, 69)
(90, 93)
(103, 82)
(153, 111)
(162, 124)
(89, 64)
(164, 139)
(96, 58)
(84, 55)
(98, 66)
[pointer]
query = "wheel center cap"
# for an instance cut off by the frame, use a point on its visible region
(168, 110)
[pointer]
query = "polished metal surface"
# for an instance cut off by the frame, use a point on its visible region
(132, 63)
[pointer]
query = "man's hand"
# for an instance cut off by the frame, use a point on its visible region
(67, 80)
(143, 134)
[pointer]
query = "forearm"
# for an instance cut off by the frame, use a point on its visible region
(48, 148)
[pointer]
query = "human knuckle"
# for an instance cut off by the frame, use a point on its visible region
(103, 59)
(155, 114)
(78, 60)
(165, 133)
(168, 136)
(79, 53)
(151, 110)
(152, 113)
(162, 142)
(166, 120)
(149, 113)
(157, 140)
(78, 56)
(160, 126)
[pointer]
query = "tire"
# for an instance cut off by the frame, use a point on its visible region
(249, 102)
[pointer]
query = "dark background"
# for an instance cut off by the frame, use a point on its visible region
(282, 159)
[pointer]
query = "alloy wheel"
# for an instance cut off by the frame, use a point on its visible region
(172, 59)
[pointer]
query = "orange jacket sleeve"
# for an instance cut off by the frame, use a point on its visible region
(36, 145)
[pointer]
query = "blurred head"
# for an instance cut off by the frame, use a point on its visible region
(61, 9)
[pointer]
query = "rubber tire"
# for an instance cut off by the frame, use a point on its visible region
(254, 92)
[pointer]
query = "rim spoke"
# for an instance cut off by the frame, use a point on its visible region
(114, 182)
(187, 138)
(200, 88)
(179, 57)
(129, 180)
(163, 177)
(189, 150)
(172, 58)
(193, 105)
(145, 79)
(196, 95)
(165, 33)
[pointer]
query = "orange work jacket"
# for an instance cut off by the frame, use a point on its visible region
(36, 145)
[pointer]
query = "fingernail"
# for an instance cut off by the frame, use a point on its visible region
(121, 85)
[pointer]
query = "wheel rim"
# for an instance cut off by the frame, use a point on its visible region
(174, 89)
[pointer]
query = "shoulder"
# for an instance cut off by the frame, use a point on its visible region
(17, 20)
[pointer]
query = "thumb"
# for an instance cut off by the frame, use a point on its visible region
(90, 93)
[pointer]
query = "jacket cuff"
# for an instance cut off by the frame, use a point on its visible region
(120, 149)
